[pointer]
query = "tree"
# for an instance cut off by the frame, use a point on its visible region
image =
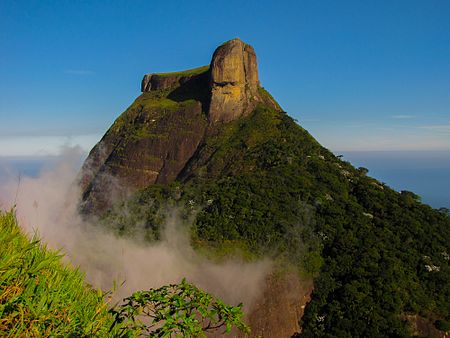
(363, 171)
(444, 211)
(176, 310)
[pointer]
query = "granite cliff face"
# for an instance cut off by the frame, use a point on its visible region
(143, 147)
(153, 140)
(234, 81)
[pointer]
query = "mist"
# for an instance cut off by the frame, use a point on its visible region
(47, 205)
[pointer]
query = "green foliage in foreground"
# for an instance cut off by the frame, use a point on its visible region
(180, 310)
(39, 296)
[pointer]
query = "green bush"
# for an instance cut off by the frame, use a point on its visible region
(442, 325)
(180, 310)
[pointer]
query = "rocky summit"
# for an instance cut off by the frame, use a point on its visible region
(152, 141)
(233, 81)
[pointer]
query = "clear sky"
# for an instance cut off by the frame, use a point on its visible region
(359, 75)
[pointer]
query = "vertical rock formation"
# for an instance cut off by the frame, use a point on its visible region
(234, 81)
(153, 140)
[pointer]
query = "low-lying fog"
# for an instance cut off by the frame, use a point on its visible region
(46, 202)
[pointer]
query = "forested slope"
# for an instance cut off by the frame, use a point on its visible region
(264, 185)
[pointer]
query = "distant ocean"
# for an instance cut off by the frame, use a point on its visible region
(425, 173)
(13, 167)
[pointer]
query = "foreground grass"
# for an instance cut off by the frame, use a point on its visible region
(40, 296)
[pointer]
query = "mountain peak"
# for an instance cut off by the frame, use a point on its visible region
(153, 141)
(234, 81)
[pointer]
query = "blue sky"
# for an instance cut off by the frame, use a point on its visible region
(359, 75)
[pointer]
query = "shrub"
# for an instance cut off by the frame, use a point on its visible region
(181, 309)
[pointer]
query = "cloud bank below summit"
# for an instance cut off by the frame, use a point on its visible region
(48, 203)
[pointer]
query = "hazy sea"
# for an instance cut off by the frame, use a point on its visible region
(14, 167)
(425, 173)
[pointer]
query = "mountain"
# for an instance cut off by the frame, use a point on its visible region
(358, 258)
(160, 132)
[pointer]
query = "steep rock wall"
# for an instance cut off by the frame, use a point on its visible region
(234, 81)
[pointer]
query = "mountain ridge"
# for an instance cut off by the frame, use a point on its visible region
(250, 177)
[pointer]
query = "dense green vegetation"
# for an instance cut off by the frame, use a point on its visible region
(39, 296)
(377, 270)
(264, 183)
(159, 106)
(42, 297)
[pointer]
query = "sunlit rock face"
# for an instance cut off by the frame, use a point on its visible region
(234, 81)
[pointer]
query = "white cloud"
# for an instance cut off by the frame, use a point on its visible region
(442, 128)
